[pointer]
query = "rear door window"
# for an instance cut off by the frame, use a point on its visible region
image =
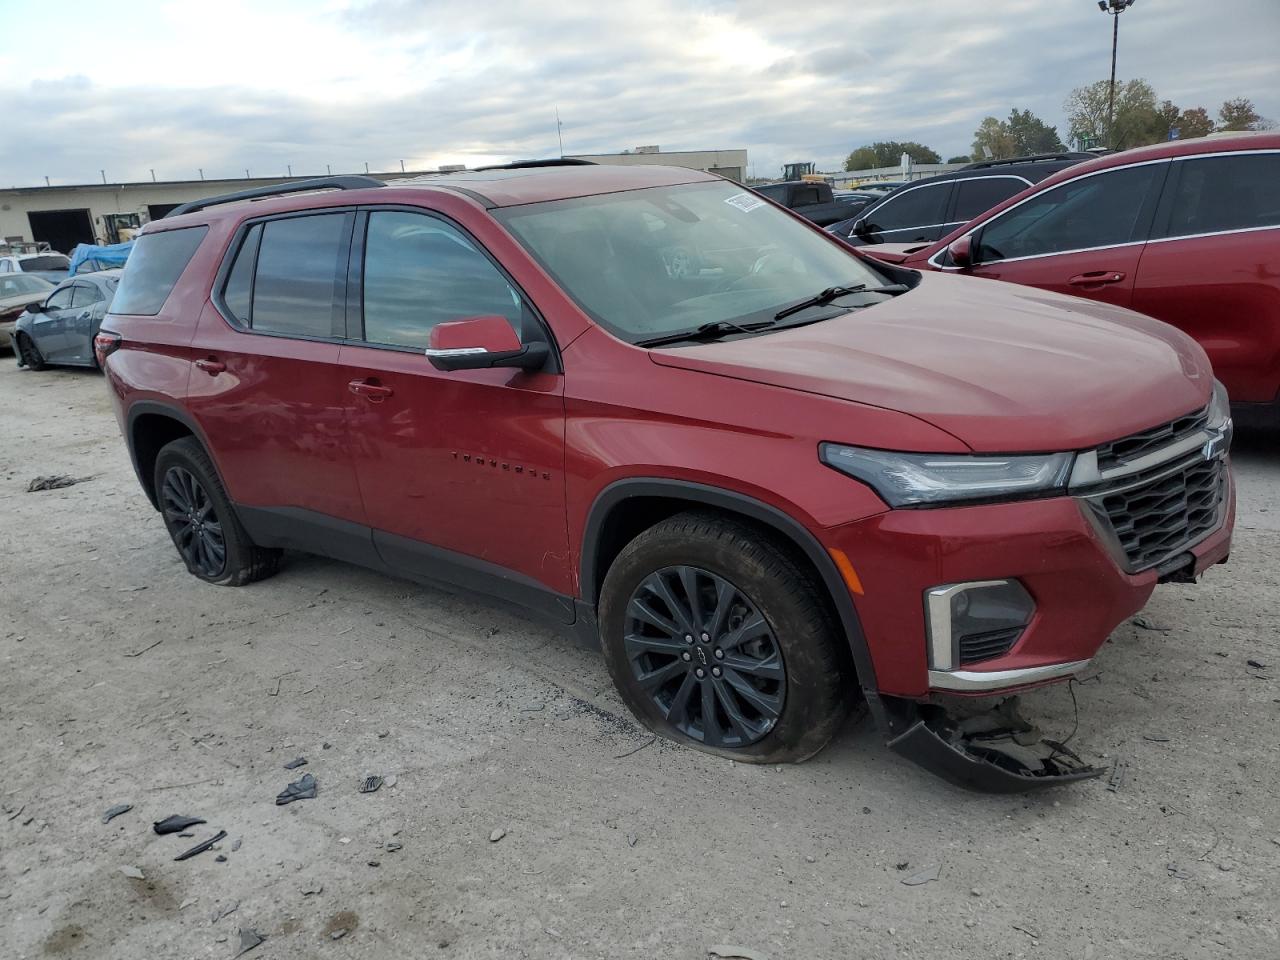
(85, 295)
(1237, 192)
(420, 272)
(978, 196)
(301, 263)
(918, 207)
(1095, 211)
(155, 264)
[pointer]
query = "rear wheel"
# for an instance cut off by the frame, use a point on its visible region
(201, 521)
(29, 353)
(716, 636)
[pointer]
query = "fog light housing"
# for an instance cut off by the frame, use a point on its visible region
(975, 621)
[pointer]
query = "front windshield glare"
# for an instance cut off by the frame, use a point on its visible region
(668, 259)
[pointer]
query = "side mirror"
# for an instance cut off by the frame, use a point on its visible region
(478, 343)
(37, 307)
(860, 227)
(961, 251)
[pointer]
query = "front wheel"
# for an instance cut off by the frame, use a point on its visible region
(716, 636)
(201, 521)
(29, 353)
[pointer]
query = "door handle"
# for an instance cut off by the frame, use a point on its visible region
(370, 389)
(1096, 278)
(211, 367)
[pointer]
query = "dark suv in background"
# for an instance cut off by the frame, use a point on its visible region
(925, 210)
(773, 478)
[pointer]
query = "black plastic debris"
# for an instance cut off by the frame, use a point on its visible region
(115, 811)
(304, 789)
(249, 939)
(202, 847)
(55, 482)
(295, 764)
(1256, 664)
(370, 784)
(175, 824)
(221, 858)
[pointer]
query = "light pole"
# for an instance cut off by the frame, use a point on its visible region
(1113, 9)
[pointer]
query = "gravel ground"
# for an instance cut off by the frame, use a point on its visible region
(124, 680)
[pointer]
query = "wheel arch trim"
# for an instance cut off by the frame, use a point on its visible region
(699, 494)
(141, 408)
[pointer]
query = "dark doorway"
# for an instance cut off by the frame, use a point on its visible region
(158, 211)
(61, 229)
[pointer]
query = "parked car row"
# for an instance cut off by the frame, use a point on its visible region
(773, 477)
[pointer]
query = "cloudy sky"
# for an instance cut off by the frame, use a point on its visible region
(177, 86)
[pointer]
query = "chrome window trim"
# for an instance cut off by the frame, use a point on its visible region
(922, 186)
(1213, 233)
(944, 650)
(451, 351)
(932, 261)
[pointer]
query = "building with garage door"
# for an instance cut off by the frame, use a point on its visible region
(63, 216)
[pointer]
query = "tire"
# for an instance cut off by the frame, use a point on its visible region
(201, 521)
(29, 353)
(779, 617)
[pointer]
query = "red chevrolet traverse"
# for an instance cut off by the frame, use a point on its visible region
(772, 478)
(1187, 232)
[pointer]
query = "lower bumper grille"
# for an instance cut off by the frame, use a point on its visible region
(1156, 517)
(976, 647)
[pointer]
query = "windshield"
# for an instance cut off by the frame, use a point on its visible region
(54, 261)
(16, 285)
(667, 259)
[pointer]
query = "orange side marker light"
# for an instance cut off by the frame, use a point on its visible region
(846, 570)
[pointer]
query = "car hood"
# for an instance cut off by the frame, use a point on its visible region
(22, 299)
(1001, 367)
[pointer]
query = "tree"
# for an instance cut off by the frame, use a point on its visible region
(888, 153)
(960, 159)
(1238, 114)
(993, 140)
(1137, 119)
(1194, 123)
(1031, 134)
(1021, 135)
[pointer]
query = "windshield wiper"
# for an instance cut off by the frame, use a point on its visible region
(708, 331)
(835, 293)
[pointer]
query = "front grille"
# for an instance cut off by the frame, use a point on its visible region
(976, 647)
(1121, 451)
(1159, 515)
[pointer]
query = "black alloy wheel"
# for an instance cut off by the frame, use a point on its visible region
(194, 523)
(699, 647)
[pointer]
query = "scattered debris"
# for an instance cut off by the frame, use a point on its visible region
(55, 482)
(344, 839)
(632, 839)
(727, 952)
(1155, 738)
(175, 824)
(224, 911)
(249, 938)
(1118, 771)
(647, 743)
(235, 844)
(383, 734)
(312, 888)
(138, 653)
(902, 866)
(189, 902)
(370, 784)
(533, 707)
(375, 863)
(389, 780)
(1146, 624)
(115, 811)
(304, 789)
(295, 764)
(1256, 664)
(1177, 872)
(393, 846)
(924, 876)
(133, 873)
(338, 934)
(17, 813)
(185, 834)
(201, 847)
(497, 835)
(1027, 930)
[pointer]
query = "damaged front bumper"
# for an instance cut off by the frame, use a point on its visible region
(997, 751)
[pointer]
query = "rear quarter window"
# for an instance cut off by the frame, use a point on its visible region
(153, 269)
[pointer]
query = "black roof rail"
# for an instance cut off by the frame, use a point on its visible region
(552, 162)
(1033, 158)
(353, 182)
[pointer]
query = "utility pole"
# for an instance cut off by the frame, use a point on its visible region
(328, 169)
(104, 175)
(402, 166)
(153, 175)
(1113, 9)
(559, 134)
(289, 167)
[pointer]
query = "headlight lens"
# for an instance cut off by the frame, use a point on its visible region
(927, 479)
(1219, 406)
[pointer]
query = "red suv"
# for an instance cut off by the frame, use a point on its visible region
(772, 478)
(1187, 232)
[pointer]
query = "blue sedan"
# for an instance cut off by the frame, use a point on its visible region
(60, 329)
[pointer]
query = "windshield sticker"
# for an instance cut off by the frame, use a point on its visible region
(745, 201)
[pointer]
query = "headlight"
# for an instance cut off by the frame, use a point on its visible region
(1219, 406)
(927, 479)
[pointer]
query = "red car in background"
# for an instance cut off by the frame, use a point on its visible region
(1187, 232)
